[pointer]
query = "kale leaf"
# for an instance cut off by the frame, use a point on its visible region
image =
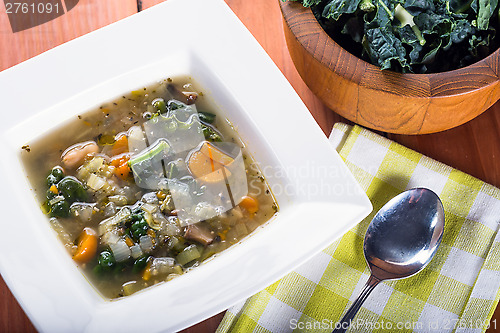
(386, 49)
(335, 8)
(485, 12)
(419, 36)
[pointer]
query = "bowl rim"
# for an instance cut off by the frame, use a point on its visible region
(291, 10)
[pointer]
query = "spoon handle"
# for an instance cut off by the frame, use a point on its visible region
(342, 325)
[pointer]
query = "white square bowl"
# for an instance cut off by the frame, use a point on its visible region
(318, 198)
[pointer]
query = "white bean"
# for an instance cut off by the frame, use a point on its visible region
(74, 155)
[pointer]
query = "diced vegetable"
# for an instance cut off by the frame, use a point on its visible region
(172, 276)
(87, 246)
(124, 215)
(110, 209)
(120, 146)
(54, 189)
(95, 182)
(157, 149)
(129, 241)
(62, 192)
(120, 250)
(130, 287)
(94, 165)
(241, 230)
(189, 254)
(146, 274)
(136, 140)
(215, 153)
(168, 205)
(82, 210)
(208, 162)
(136, 251)
(121, 164)
(150, 198)
(209, 251)
(120, 200)
(146, 243)
(109, 237)
(177, 243)
(63, 235)
(149, 208)
(162, 266)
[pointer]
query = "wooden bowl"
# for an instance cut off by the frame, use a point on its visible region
(386, 100)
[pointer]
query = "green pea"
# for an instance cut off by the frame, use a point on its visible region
(55, 176)
(138, 229)
(57, 172)
(106, 260)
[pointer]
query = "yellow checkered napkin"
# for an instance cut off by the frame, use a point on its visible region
(457, 292)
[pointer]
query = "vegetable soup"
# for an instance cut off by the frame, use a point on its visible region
(147, 186)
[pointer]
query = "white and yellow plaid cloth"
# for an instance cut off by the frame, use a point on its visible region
(457, 292)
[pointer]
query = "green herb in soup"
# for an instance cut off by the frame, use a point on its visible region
(148, 186)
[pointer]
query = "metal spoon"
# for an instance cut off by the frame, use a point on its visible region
(401, 240)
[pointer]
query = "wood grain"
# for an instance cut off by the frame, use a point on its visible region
(87, 16)
(473, 147)
(385, 100)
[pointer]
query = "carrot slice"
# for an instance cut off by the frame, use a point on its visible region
(87, 246)
(120, 162)
(250, 204)
(215, 154)
(209, 164)
(146, 275)
(120, 146)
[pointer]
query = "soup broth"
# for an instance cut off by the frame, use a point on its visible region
(148, 186)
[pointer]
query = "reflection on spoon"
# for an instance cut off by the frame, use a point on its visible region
(400, 241)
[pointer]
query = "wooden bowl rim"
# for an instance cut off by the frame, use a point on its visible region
(291, 9)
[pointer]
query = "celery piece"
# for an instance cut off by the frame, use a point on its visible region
(130, 287)
(209, 251)
(189, 254)
(159, 147)
(241, 230)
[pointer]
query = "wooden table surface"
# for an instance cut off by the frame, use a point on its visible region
(473, 148)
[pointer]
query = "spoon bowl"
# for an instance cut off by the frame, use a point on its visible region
(404, 234)
(400, 241)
